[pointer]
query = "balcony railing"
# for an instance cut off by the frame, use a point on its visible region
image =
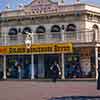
(74, 37)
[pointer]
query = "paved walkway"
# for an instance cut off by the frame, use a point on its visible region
(32, 90)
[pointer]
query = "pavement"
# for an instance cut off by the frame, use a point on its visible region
(47, 90)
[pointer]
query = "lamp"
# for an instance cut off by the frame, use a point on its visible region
(28, 40)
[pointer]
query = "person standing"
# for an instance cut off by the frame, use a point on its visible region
(98, 81)
(55, 71)
(20, 70)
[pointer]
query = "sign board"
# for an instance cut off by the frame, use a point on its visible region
(37, 49)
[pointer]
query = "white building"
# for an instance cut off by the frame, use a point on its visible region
(68, 34)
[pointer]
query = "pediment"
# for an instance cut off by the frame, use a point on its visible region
(41, 6)
(42, 2)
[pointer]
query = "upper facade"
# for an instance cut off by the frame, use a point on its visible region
(41, 7)
(77, 22)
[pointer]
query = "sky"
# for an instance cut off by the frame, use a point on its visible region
(14, 3)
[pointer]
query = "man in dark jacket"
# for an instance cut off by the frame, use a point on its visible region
(55, 71)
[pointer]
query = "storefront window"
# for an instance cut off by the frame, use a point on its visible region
(80, 65)
(72, 66)
(19, 67)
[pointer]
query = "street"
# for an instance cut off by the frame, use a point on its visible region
(37, 90)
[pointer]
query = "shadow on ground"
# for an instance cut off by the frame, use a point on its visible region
(76, 98)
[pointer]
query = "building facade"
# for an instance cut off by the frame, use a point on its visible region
(68, 34)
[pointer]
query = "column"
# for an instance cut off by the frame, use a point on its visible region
(32, 58)
(19, 72)
(4, 68)
(62, 54)
(32, 70)
(62, 64)
(62, 35)
(96, 61)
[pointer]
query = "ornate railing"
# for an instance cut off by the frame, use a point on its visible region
(74, 37)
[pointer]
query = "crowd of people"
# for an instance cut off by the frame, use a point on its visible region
(74, 70)
(71, 70)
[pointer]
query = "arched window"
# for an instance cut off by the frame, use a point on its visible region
(95, 27)
(13, 34)
(40, 29)
(71, 28)
(55, 28)
(95, 32)
(27, 29)
(12, 31)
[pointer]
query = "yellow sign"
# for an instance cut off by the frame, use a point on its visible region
(37, 49)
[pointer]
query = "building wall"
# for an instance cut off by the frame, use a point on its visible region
(80, 20)
(47, 23)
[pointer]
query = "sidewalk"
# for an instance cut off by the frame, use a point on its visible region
(35, 90)
(59, 80)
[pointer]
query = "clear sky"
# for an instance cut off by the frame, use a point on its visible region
(14, 3)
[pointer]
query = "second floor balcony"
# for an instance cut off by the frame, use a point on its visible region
(73, 37)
